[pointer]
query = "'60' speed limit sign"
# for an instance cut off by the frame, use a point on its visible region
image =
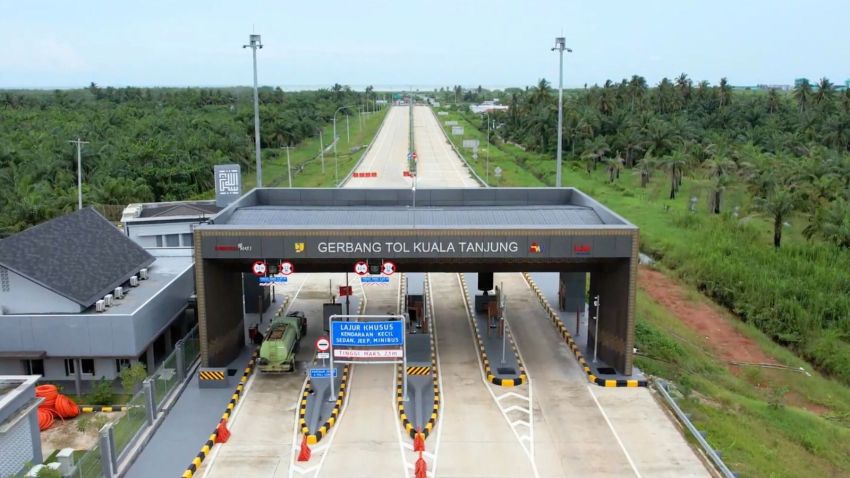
(259, 268)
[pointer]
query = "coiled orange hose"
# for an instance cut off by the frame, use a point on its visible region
(45, 418)
(54, 405)
(65, 407)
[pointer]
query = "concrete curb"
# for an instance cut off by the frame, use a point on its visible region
(313, 438)
(435, 409)
(234, 399)
(568, 338)
(213, 438)
(103, 408)
(491, 377)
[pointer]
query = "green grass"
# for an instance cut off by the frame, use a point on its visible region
(305, 160)
(759, 419)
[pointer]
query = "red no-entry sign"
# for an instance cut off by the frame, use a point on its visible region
(323, 344)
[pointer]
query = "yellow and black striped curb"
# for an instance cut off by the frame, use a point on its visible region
(237, 394)
(418, 370)
(555, 317)
(491, 377)
(103, 408)
(211, 375)
(313, 438)
(435, 409)
(213, 438)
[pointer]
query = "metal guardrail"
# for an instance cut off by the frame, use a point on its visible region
(713, 455)
(462, 157)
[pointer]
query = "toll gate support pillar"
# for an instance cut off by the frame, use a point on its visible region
(611, 283)
(220, 320)
(572, 291)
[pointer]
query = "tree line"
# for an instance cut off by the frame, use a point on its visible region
(789, 149)
(144, 144)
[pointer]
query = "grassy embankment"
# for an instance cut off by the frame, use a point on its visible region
(766, 422)
(305, 160)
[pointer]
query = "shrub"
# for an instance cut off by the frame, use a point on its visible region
(132, 377)
(102, 393)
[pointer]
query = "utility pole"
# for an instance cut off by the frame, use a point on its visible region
(347, 131)
(79, 144)
(560, 45)
(254, 43)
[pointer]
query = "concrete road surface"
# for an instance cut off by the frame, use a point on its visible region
(388, 155)
(438, 165)
(476, 440)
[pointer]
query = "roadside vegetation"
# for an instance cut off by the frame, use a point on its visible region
(147, 144)
(791, 291)
(760, 226)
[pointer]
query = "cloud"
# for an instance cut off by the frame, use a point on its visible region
(44, 55)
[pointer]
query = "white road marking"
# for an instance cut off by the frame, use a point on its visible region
(526, 441)
(616, 436)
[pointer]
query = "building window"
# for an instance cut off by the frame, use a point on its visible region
(158, 241)
(186, 240)
(69, 367)
(121, 364)
(87, 366)
(34, 367)
(172, 240)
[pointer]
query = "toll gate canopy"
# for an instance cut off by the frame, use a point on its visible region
(426, 230)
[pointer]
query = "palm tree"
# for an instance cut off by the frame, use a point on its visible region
(772, 101)
(637, 88)
(675, 164)
(825, 94)
(685, 87)
(594, 151)
(724, 92)
(832, 223)
(719, 167)
(645, 167)
(778, 204)
(613, 166)
(541, 93)
(803, 94)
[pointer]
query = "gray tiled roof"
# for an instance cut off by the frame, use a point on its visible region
(452, 217)
(81, 256)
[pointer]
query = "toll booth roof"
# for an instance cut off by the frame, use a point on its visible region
(450, 208)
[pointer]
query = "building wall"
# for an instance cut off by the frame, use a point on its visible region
(97, 335)
(145, 233)
(19, 295)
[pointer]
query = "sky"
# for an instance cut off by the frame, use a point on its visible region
(420, 44)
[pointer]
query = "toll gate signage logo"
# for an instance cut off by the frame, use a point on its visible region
(535, 248)
(581, 249)
(299, 247)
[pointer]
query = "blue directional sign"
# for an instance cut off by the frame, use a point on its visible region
(367, 334)
(274, 280)
(321, 372)
(374, 279)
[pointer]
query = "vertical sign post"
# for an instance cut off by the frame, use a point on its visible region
(228, 183)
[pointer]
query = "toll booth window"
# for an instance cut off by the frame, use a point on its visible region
(87, 366)
(172, 240)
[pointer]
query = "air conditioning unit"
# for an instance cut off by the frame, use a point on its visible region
(107, 299)
(100, 306)
(134, 281)
(119, 292)
(143, 274)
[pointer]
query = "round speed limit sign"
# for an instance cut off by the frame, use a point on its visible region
(286, 268)
(361, 268)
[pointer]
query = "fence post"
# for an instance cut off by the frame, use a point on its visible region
(150, 402)
(107, 454)
(179, 364)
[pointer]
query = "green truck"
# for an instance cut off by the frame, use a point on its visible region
(281, 343)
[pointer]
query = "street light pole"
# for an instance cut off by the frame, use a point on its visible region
(560, 45)
(254, 43)
(79, 144)
(336, 159)
(288, 166)
(322, 150)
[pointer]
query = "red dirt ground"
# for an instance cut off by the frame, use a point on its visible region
(709, 322)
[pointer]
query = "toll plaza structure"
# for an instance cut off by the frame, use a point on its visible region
(426, 230)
